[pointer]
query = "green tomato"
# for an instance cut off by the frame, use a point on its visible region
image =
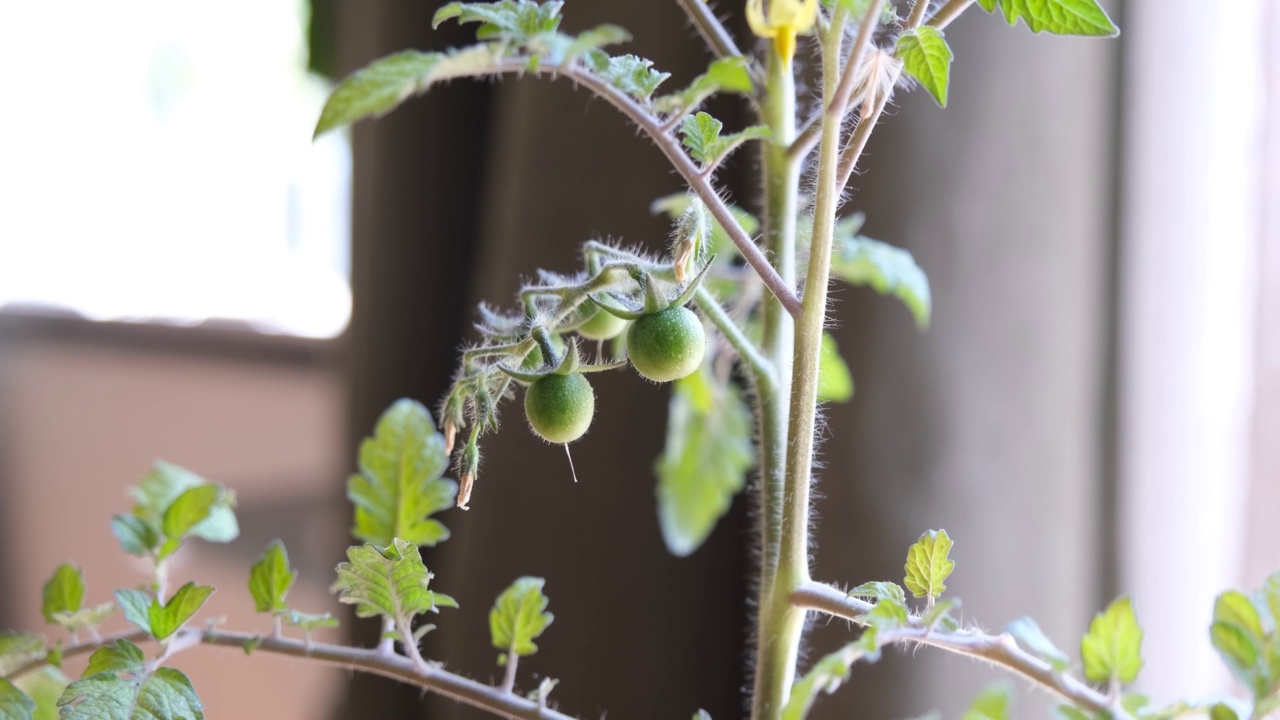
(667, 345)
(560, 407)
(602, 326)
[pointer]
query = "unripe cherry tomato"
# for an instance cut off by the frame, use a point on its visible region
(667, 345)
(559, 407)
(602, 326)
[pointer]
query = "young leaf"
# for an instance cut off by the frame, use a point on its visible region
(835, 382)
(308, 621)
(391, 582)
(510, 20)
(64, 593)
(1112, 649)
(132, 694)
(161, 487)
(44, 687)
(135, 535)
(927, 57)
(826, 676)
(85, 618)
(1058, 17)
(702, 715)
(271, 578)
(940, 615)
(928, 565)
(169, 618)
(400, 485)
(995, 702)
(881, 590)
(14, 704)
(18, 649)
(674, 206)
(1029, 635)
(705, 460)
(122, 656)
(381, 86)
(136, 606)
(886, 269)
(191, 508)
(728, 74)
(519, 616)
(701, 134)
(632, 75)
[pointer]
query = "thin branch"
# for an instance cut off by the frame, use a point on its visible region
(949, 12)
(710, 28)
(1000, 650)
(513, 660)
(687, 168)
(394, 666)
(858, 143)
(918, 12)
(747, 350)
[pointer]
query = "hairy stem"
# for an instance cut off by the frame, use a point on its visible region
(949, 12)
(774, 665)
(999, 650)
(509, 677)
(760, 366)
(397, 667)
(710, 28)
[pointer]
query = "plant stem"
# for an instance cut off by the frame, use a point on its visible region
(949, 12)
(760, 366)
(509, 678)
(397, 667)
(710, 28)
(1000, 650)
(774, 668)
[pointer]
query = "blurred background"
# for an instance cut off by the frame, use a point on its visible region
(185, 275)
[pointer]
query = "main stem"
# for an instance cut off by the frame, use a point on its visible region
(776, 642)
(785, 507)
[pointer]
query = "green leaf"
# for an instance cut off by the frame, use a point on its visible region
(1222, 711)
(18, 649)
(826, 676)
(1269, 598)
(1241, 652)
(391, 582)
(122, 656)
(165, 694)
(85, 618)
(927, 57)
(881, 590)
(136, 606)
(135, 535)
(381, 86)
(940, 615)
(506, 20)
(702, 715)
(632, 75)
(1069, 712)
(884, 268)
(308, 621)
(729, 74)
(1058, 17)
(192, 507)
(64, 592)
(271, 578)
(519, 616)
(1112, 649)
(995, 702)
(701, 134)
(928, 565)
(400, 485)
(14, 704)
(169, 618)
(1237, 608)
(705, 460)
(44, 687)
(835, 382)
(1029, 635)
(161, 487)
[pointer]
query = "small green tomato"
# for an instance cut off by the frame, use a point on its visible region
(667, 345)
(560, 407)
(602, 326)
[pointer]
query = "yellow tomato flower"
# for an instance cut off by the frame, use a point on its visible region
(784, 21)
